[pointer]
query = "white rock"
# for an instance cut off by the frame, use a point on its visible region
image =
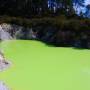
(3, 86)
(4, 64)
(4, 28)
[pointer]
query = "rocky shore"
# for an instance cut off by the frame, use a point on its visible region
(3, 86)
(50, 34)
(4, 64)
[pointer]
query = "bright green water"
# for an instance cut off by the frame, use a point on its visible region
(39, 67)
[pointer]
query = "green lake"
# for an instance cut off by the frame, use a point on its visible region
(36, 66)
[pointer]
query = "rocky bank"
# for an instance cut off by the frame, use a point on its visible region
(48, 33)
(4, 63)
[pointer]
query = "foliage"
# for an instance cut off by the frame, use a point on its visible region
(33, 8)
(61, 22)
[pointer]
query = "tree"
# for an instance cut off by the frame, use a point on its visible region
(27, 8)
(64, 6)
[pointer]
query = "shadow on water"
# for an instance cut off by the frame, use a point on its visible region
(58, 45)
(65, 46)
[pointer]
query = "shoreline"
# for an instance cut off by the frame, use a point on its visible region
(3, 86)
(4, 65)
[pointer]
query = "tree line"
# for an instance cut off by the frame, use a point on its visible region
(30, 8)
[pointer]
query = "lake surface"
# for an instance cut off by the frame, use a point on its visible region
(40, 67)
